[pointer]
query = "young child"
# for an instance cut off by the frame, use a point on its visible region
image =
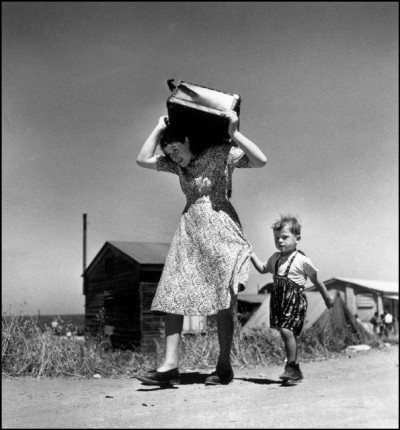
(288, 306)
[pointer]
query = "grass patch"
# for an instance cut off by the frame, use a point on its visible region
(29, 350)
(32, 351)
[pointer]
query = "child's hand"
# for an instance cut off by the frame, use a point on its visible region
(233, 119)
(329, 302)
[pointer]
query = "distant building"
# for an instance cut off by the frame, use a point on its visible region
(365, 297)
(119, 286)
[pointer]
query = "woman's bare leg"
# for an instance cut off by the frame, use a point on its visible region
(173, 330)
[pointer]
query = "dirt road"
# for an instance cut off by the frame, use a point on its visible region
(358, 390)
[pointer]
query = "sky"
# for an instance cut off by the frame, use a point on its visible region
(84, 83)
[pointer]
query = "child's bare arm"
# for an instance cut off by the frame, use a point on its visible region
(322, 289)
(258, 264)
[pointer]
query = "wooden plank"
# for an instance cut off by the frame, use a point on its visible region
(152, 325)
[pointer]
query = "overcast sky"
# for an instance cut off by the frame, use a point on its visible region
(83, 84)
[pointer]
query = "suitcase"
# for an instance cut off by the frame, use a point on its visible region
(197, 109)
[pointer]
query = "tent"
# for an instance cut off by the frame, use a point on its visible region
(338, 328)
(260, 318)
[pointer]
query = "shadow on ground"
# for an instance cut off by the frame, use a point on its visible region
(261, 381)
(192, 378)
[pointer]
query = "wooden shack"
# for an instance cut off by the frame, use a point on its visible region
(119, 286)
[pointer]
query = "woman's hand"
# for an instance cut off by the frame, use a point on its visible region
(253, 152)
(163, 122)
(146, 157)
(233, 119)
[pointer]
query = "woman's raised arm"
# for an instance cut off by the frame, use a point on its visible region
(146, 157)
(254, 154)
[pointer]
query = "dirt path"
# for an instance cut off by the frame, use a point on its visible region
(358, 390)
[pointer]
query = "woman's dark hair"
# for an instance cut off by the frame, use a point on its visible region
(198, 141)
(171, 134)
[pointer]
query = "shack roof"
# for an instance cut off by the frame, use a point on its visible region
(376, 285)
(143, 253)
(251, 298)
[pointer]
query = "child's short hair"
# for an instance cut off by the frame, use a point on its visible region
(292, 221)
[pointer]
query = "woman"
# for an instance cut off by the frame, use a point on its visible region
(209, 254)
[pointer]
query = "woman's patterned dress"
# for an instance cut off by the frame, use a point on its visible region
(209, 254)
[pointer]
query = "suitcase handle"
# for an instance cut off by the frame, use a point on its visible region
(171, 85)
(182, 86)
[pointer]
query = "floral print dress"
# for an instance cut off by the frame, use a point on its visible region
(209, 254)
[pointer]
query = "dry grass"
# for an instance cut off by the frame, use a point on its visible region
(29, 351)
(26, 350)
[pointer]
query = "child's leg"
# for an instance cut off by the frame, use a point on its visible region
(173, 329)
(289, 339)
(225, 327)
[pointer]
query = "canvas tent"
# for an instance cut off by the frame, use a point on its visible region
(260, 318)
(338, 328)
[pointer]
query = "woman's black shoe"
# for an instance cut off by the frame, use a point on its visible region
(220, 378)
(170, 377)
